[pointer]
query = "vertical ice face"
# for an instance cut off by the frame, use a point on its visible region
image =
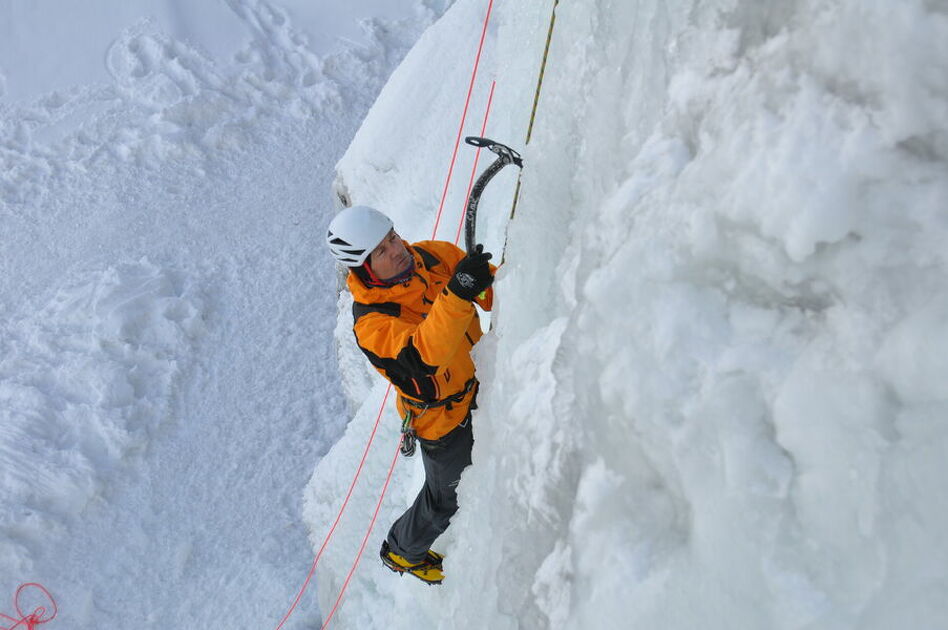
(718, 327)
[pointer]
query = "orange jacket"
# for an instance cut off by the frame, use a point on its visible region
(419, 336)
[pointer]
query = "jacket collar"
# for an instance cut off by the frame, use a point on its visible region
(405, 292)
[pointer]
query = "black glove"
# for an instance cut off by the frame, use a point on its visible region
(472, 275)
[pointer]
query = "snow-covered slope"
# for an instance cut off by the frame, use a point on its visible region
(714, 395)
(167, 376)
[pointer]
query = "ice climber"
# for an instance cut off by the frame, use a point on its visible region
(414, 318)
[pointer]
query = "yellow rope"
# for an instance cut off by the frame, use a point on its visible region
(536, 101)
(546, 53)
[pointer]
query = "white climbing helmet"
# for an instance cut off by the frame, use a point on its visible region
(355, 232)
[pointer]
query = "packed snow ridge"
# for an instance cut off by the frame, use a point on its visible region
(168, 378)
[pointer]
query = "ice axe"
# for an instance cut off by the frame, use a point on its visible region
(505, 156)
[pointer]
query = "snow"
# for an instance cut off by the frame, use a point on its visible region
(713, 389)
(168, 376)
(83, 33)
(85, 381)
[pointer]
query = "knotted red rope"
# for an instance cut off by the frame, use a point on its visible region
(35, 618)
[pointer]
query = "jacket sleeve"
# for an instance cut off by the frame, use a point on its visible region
(405, 350)
(451, 255)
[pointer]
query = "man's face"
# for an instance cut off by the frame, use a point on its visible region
(390, 258)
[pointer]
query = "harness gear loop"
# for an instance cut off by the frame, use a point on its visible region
(409, 437)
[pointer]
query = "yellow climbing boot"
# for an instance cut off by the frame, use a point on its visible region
(434, 558)
(428, 570)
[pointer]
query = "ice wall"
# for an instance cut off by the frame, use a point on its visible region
(712, 394)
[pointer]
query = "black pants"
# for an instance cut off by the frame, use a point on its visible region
(413, 533)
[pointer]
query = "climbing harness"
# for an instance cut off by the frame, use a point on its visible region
(453, 399)
(409, 436)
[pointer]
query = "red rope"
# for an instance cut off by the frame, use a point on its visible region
(467, 101)
(365, 539)
(332, 529)
(391, 469)
(477, 155)
(35, 618)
